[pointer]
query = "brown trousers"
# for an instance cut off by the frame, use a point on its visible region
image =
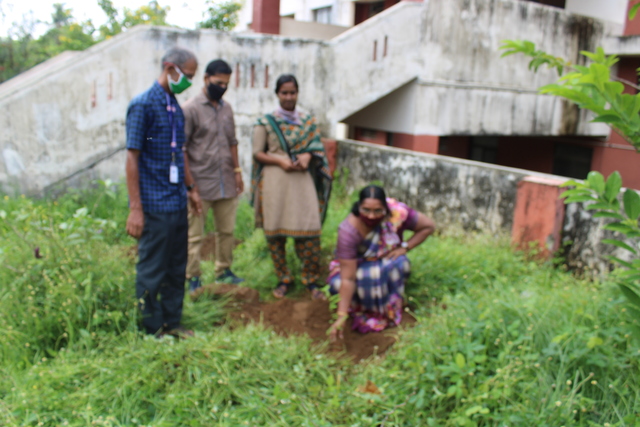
(224, 219)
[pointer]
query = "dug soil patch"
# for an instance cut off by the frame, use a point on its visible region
(304, 317)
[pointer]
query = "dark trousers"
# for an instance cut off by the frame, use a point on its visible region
(162, 262)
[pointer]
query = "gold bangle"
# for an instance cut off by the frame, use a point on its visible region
(343, 313)
(238, 170)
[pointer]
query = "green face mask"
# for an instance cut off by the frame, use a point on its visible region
(181, 85)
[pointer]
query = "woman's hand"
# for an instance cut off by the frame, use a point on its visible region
(303, 160)
(289, 166)
(336, 330)
(395, 253)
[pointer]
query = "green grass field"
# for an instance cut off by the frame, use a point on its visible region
(500, 340)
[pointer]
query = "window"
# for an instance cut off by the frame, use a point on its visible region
(484, 149)
(556, 3)
(571, 160)
(322, 15)
(368, 133)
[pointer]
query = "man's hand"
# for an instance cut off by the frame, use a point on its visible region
(135, 223)
(239, 183)
(196, 202)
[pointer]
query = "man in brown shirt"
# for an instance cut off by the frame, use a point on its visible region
(212, 157)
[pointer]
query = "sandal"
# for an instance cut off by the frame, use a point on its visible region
(281, 290)
(317, 293)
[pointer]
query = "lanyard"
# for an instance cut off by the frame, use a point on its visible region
(171, 109)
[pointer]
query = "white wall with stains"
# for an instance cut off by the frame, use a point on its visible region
(439, 59)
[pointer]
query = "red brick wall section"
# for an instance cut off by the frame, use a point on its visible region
(266, 16)
(618, 158)
(422, 143)
(618, 154)
(427, 143)
(403, 140)
(380, 137)
(632, 27)
(538, 215)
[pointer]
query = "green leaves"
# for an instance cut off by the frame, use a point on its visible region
(540, 58)
(596, 182)
(631, 204)
(613, 186)
(460, 360)
(589, 87)
(594, 342)
(633, 10)
(602, 197)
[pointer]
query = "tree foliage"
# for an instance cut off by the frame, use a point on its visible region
(151, 14)
(21, 50)
(221, 15)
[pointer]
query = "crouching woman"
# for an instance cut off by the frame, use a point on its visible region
(371, 264)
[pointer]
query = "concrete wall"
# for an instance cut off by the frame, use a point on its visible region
(607, 10)
(440, 56)
(69, 117)
(462, 84)
(474, 195)
(310, 30)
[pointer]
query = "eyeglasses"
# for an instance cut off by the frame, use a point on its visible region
(376, 212)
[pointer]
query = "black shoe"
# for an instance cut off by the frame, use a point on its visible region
(227, 276)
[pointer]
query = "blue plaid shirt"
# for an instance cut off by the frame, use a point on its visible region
(150, 132)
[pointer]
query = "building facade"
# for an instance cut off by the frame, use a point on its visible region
(566, 151)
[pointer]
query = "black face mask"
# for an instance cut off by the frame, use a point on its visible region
(215, 91)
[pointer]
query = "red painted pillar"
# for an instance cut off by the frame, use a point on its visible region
(538, 215)
(266, 16)
(331, 150)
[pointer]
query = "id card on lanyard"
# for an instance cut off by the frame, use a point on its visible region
(173, 167)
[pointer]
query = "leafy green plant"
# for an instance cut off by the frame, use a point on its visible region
(590, 87)
(594, 88)
(509, 342)
(603, 196)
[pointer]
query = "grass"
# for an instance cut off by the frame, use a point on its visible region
(501, 340)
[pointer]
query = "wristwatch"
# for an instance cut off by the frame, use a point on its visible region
(191, 187)
(404, 245)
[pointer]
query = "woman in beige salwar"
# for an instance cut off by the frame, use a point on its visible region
(290, 186)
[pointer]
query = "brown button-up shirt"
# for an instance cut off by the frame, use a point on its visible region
(210, 132)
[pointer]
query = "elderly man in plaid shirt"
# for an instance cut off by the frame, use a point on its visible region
(158, 194)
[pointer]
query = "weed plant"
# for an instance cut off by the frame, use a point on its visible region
(500, 341)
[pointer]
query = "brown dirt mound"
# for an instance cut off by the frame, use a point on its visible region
(304, 317)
